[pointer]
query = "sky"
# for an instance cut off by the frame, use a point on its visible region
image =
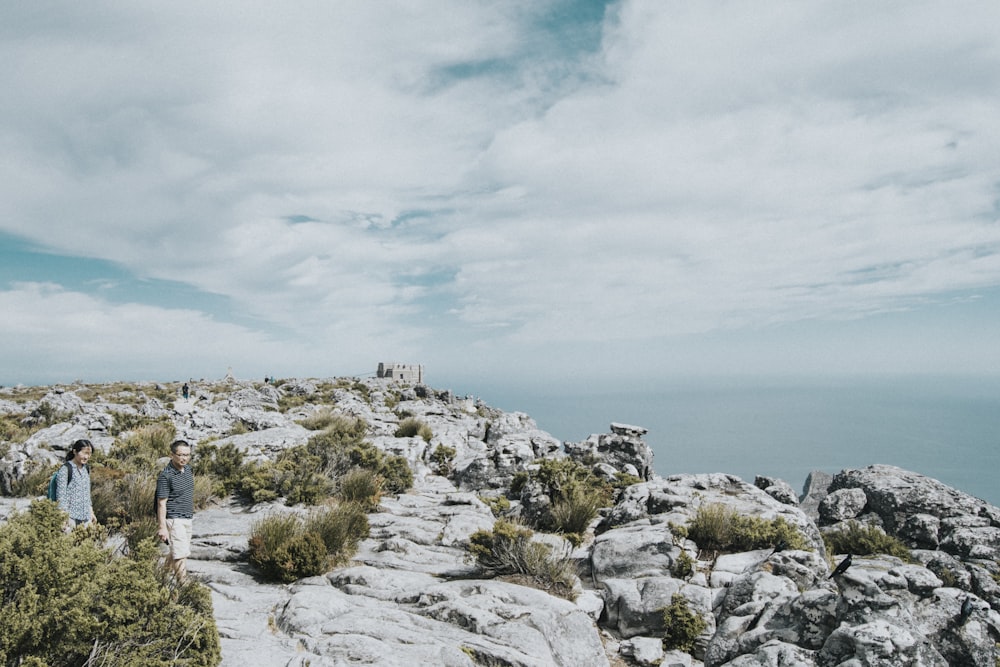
(566, 191)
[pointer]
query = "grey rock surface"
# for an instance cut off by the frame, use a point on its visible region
(412, 595)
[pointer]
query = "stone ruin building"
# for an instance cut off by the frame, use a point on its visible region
(403, 372)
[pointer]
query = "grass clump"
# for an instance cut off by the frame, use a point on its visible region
(122, 613)
(576, 495)
(318, 421)
(497, 504)
(683, 566)
(14, 429)
(717, 527)
(223, 464)
(342, 447)
(140, 450)
(443, 459)
(362, 487)
(854, 537)
(411, 426)
(288, 547)
(509, 550)
(681, 625)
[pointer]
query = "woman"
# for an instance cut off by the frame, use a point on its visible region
(73, 490)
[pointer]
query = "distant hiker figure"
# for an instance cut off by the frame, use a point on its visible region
(841, 567)
(185, 390)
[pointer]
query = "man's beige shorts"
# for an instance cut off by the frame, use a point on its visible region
(180, 538)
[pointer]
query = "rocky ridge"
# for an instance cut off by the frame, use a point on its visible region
(413, 596)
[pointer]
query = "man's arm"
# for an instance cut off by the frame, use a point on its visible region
(161, 520)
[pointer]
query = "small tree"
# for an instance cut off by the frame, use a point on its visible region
(682, 626)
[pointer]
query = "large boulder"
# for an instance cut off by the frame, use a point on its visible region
(966, 526)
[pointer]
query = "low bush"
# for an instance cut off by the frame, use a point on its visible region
(860, 539)
(140, 450)
(287, 547)
(318, 421)
(223, 464)
(576, 495)
(510, 550)
(717, 527)
(411, 426)
(341, 528)
(68, 601)
(35, 482)
(497, 504)
(574, 511)
(443, 458)
(122, 422)
(13, 430)
(683, 566)
(361, 486)
(681, 625)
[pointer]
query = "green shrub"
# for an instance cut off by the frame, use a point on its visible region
(239, 427)
(497, 504)
(341, 528)
(574, 511)
(223, 464)
(306, 473)
(509, 550)
(443, 458)
(682, 626)
(411, 426)
(12, 430)
(361, 486)
(140, 450)
(683, 566)
(396, 474)
(287, 547)
(122, 422)
(120, 613)
(35, 482)
(624, 480)
(301, 478)
(260, 483)
(48, 415)
(717, 527)
(318, 421)
(576, 494)
(854, 537)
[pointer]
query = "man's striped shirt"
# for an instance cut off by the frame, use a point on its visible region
(177, 486)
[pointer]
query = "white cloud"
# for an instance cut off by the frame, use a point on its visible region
(709, 167)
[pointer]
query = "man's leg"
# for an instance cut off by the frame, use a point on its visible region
(180, 546)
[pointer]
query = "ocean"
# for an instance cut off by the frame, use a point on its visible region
(945, 428)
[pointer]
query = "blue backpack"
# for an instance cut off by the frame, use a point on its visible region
(53, 494)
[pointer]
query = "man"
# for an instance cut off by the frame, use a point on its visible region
(175, 506)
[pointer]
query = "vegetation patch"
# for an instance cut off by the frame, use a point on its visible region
(122, 613)
(860, 539)
(718, 527)
(508, 549)
(575, 491)
(681, 625)
(443, 459)
(288, 547)
(411, 426)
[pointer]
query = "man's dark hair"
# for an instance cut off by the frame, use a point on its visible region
(178, 443)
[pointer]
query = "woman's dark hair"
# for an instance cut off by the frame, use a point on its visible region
(82, 443)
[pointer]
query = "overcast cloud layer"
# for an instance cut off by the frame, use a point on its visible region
(506, 188)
